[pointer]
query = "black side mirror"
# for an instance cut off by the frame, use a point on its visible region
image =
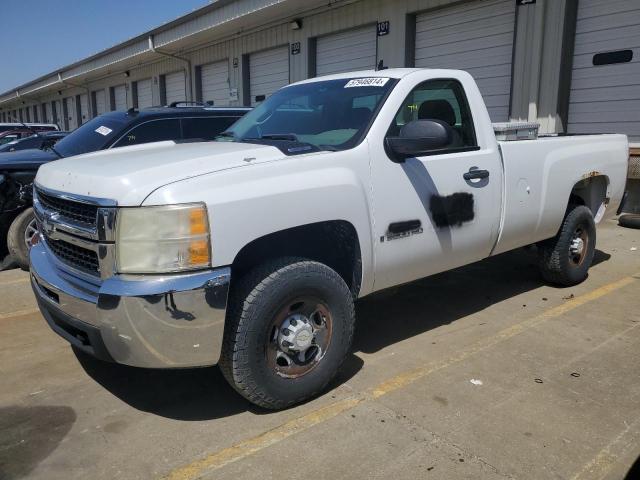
(418, 138)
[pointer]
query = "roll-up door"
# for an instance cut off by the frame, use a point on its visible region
(145, 95)
(476, 37)
(120, 97)
(101, 102)
(346, 51)
(215, 83)
(268, 71)
(57, 113)
(84, 109)
(175, 87)
(605, 80)
(69, 113)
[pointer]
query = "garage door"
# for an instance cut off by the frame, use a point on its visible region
(58, 114)
(70, 111)
(101, 102)
(476, 37)
(175, 87)
(605, 85)
(268, 71)
(84, 109)
(346, 51)
(215, 83)
(120, 97)
(145, 95)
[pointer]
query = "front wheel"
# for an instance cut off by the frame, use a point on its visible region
(21, 232)
(289, 329)
(565, 259)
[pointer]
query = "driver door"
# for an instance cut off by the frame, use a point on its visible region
(428, 217)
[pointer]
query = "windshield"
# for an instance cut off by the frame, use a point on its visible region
(93, 135)
(327, 115)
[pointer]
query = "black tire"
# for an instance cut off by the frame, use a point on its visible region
(16, 238)
(253, 308)
(559, 264)
(629, 221)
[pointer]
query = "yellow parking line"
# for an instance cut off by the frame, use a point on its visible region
(18, 313)
(248, 447)
(253, 445)
(606, 459)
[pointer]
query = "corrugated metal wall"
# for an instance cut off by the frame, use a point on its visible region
(539, 27)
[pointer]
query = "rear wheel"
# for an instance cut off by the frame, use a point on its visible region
(565, 259)
(21, 232)
(289, 329)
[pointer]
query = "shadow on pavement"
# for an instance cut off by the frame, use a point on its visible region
(28, 435)
(383, 319)
(182, 394)
(399, 313)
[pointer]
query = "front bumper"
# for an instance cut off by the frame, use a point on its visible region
(150, 321)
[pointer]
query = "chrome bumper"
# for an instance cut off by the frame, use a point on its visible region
(170, 321)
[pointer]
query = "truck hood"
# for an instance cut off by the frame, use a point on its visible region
(25, 159)
(129, 174)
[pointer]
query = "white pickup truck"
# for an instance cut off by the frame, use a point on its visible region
(250, 251)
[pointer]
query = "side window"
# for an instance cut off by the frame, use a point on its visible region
(205, 128)
(153, 131)
(442, 100)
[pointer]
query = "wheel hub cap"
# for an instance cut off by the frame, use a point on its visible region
(296, 334)
(577, 246)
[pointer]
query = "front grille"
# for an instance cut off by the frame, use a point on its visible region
(74, 256)
(82, 213)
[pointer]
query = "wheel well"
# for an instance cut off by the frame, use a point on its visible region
(590, 192)
(333, 243)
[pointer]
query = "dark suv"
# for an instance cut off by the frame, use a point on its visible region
(111, 130)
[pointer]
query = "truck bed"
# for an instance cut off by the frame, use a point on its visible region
(539, 174)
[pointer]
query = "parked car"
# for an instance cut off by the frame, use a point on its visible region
(108, 131)
(38, 127)
(331, 189)
(9, 136)
(40, 141)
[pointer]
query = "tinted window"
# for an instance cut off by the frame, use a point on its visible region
(8, 138)
(442, 100)
(94, 135)
(206, 128)
(152, 131)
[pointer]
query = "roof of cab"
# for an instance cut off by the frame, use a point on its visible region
(396, 73)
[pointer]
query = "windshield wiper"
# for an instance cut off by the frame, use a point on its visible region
(289, 137)
(227, 134)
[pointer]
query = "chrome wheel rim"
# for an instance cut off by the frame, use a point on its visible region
(30, 232)
(578, 246)
(299, 337)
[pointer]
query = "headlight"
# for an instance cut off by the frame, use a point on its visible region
(164, 239)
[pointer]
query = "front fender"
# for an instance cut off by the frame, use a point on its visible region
(248, 203)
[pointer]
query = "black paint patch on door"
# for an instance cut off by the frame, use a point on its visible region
(452, 210)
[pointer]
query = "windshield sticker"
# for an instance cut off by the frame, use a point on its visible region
(103, 130)
(367, 82)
